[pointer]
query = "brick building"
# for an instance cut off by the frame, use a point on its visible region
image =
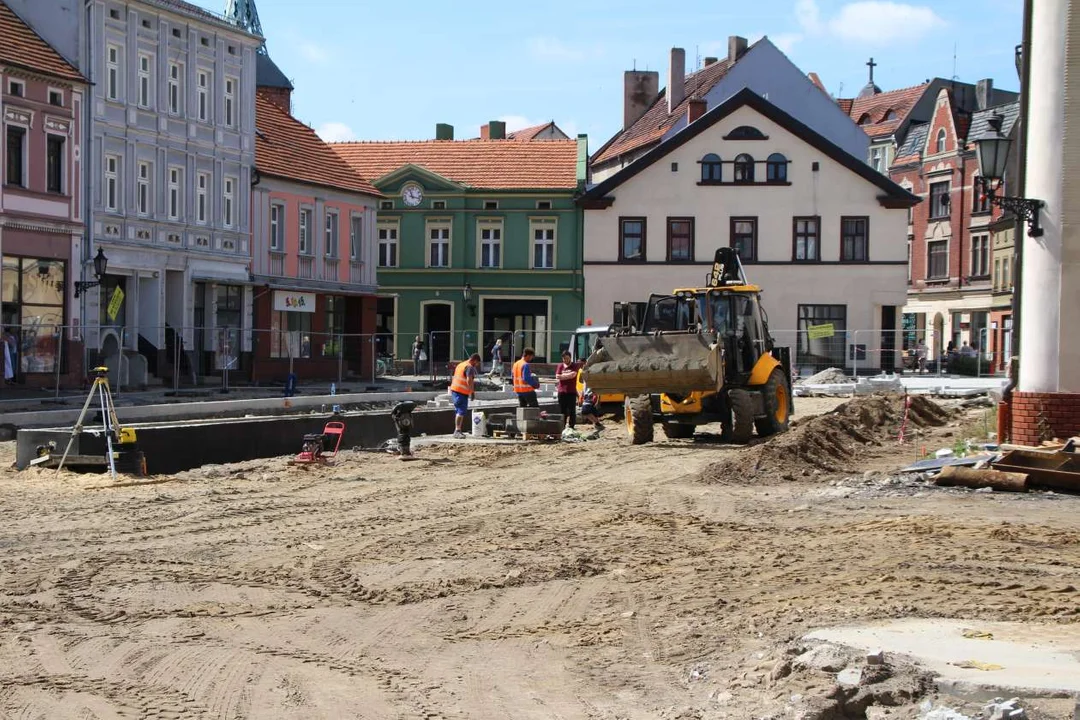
(950, 280)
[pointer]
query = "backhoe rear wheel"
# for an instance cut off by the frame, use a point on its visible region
(776, 398)
(742, 410)
(639, 419)
(679, 431)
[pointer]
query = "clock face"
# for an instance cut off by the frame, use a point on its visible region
(412, 194)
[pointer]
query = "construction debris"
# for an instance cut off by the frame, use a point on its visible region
(976, 478)
(830, 376)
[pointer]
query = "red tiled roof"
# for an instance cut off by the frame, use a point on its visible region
(22, 47)
(530, 133)
(651, 126)
(875, 107)
(287, 148)
(817, 82)
(845, 104)
(490, 164)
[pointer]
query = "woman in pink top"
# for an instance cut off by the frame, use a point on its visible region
(566, 374)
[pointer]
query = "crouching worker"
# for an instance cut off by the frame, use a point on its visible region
(461, 389)
(590, 407)
(525, 383)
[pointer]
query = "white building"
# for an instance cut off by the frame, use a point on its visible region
(819, 230)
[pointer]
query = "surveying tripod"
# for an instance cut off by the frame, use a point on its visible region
(108, 417)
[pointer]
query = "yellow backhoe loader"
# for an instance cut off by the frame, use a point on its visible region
(699, 355)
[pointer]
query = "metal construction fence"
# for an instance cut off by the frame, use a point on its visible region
(188, 355)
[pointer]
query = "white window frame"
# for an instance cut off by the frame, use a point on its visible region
(356, 236)
(444, 228)
(939, 141)
(110, 191)
(114, 72)
(57, 91)
(12, 84)
(143, 186)
(176, 192)
(228, 202)
(494, 228)
(176, 88)
(333, 233)
(304, 238)
(388, 233)
(204, 80)
(877, 158)
(546, 225)
(146, 80)
(203, 182)
(277, 226)
(231, 84)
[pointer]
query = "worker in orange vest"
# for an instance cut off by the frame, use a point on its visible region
(461, 389)
(525, 383)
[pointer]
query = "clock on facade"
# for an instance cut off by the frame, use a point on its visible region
(412, 194)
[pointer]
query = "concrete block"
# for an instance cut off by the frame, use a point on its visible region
(528, 414)
(875, 657)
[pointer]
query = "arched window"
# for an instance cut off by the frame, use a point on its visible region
(776, 168)
(864, 119)
(746, 132)
(710, 168)
(940, 145)
(890, 114)
(744, 169)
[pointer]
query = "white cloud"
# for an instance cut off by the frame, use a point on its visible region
(786, 41)
(314, 53)
(880, 21)
(335, 132)
(517, 122)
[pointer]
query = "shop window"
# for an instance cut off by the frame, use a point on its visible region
(335, 325)
(290, 334)
(33, 308)
(826, 346)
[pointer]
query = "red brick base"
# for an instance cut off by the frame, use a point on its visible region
(1043, 416)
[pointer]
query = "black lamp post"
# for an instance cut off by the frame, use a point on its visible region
(100, 264)
(466, 293)
(992, 151)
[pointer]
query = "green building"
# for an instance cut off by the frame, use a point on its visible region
(476, 239)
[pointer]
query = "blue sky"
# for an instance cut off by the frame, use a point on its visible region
(391, 70)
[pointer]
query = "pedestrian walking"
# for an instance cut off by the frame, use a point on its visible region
(11, 345)
(462, 387)
(418, 356)
(525, 383)
(496, 358)
(566, 375)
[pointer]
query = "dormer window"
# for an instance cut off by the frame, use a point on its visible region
(940, 144)
(711, 168)
(744, 168)
(890, 114)
(864, 119)
(776, 168)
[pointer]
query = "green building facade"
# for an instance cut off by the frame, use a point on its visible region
(465, 260)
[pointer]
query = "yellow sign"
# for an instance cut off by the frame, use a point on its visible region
(114, 303)
(817, 332)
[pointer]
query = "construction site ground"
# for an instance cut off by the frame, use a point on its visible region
(674, 580)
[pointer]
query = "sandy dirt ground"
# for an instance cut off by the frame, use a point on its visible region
(593, 580)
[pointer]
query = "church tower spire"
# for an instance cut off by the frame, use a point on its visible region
(243, 14)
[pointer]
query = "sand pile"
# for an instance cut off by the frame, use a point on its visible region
(828, 442)
(829, 376)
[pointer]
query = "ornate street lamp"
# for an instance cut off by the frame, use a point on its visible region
(100, 264)
(466, 293)
(992, 151)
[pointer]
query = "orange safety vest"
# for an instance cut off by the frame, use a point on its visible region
(520, 386)
(461, 382)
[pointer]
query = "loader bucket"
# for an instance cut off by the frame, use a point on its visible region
(654, 363)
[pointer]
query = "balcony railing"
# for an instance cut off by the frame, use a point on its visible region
(330, 269)
(306, 267)
(356, 271)
(277, 264)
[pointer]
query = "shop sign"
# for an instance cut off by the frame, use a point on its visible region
(294, 301)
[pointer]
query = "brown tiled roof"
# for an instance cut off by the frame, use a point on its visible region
(489, 164)
(845, 104)
(22, 47)
(875, 107)
(287, 148)
(651, 126)
(530, 132)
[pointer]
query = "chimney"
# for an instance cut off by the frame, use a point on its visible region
(710, 61)
(640, 88)
(676, 86)
(736, 46)
(280, 96)
(984, 94)
(695, 109)
(494, 130)
(444, 131)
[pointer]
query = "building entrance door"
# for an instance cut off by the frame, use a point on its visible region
(888, 338)
(437, 333)
(524, 322)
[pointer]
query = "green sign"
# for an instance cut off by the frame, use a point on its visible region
(114, 303)
(817, 332)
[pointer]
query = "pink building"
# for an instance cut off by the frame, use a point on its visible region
(41, 226)
(313, 261)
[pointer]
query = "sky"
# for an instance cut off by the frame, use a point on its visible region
(368, 70)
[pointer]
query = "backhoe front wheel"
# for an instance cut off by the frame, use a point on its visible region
(639, 419)
(777, 401)
(742, 410)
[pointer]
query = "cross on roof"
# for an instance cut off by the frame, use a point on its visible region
(871, 65)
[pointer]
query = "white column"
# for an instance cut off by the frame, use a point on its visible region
(1045, 134)
(1069, 298)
